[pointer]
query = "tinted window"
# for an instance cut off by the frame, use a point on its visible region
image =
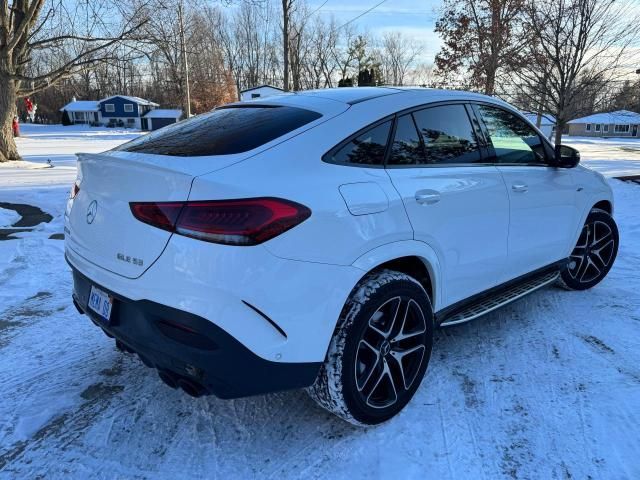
(406, 148)
(447, 135)
(223, 131)
(366, 149)
(513, 140)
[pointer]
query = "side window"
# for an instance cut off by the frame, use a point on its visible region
(447, 135)
(513, 140)
(406, 148)
(366, 149)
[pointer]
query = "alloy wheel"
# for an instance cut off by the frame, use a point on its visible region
(390, 352)
(593, 254)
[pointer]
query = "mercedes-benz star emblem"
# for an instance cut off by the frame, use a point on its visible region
(92, 211)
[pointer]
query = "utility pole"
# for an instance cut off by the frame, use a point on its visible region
(183, 48)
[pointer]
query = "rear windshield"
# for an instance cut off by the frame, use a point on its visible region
(223, 131)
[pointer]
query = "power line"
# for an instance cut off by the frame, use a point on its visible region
(317, 9)
(362, 14)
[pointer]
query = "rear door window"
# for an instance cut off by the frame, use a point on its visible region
(447, 135)
(223, 131)
(368, 148)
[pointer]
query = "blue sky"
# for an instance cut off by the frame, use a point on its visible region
(415, 18)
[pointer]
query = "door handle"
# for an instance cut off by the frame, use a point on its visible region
(519, 187)
(427, 197)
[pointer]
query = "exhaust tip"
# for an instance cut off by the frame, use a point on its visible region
(123, 347)
(191, 388)
(146, 362)
(170, 379)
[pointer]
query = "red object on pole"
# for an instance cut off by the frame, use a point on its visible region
(16, 127)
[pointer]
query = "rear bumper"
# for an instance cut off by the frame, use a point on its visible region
(192, 347)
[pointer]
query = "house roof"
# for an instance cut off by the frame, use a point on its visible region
(261, 86)
(138, 100)
(619, 117)
(81, 106)
(163, 113)
(547, 118)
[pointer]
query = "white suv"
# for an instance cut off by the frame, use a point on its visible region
(317, 239)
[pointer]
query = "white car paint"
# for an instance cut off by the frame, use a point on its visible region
(480, 232)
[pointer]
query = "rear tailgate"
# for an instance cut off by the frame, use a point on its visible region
(100, 225)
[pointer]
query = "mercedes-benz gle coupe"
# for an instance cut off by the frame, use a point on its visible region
(315, 240)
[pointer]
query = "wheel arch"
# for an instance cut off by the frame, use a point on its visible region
(605, 205)
(411, 257)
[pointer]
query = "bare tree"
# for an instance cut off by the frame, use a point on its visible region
(398, 54)
(67, 38)
(574, 48)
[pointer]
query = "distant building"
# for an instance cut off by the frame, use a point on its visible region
(621, 123)
(121, 111)
(259, 92)
(126, 111)
(159, 118)
(82, 111)
(547, 122)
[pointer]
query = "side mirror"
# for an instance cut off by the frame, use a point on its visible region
(566, 157)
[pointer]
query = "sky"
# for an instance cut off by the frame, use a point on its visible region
(414, 18)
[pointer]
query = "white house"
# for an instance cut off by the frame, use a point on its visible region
(83, 111)
(621, 123)
(547, 122)
(259, 92)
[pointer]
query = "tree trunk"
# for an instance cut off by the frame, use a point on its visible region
(490, 85)
(285, 42)
(8, 150)
(560, 123)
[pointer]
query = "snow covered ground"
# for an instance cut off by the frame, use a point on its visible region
(8, 217)
(547, 388)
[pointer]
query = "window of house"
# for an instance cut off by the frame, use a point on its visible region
(512, 139)
(447, 135)
(128, 107)
(597, 127)
(606, 128)
(588, 127)
(255, 95)
(224, 131)
(109, 107)
(621, 129)
(368, 148)
(131, 121)
(406, 148)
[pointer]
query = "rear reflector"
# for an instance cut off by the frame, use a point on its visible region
(246, 222)
(75, 188)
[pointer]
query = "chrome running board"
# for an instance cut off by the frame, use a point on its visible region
(493, 302)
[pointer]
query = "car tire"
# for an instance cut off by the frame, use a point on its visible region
(594, 253)
(379, 352)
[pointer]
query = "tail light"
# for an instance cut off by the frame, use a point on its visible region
(245, 222)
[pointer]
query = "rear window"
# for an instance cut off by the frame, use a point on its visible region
(223, 131)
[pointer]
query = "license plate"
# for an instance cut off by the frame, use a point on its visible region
(101, 303)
